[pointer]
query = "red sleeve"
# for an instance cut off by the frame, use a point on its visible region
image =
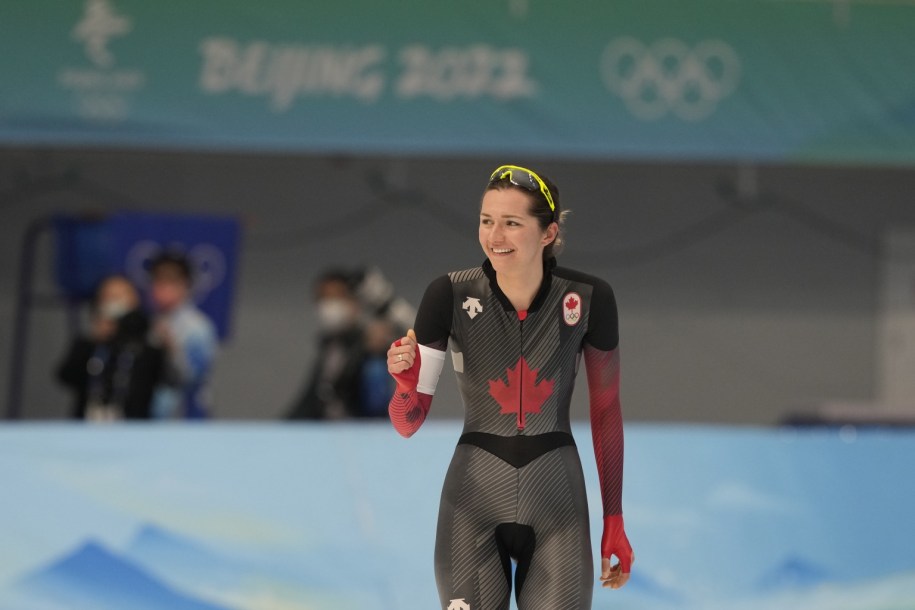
(408, 410)
(409, 407)
(603, 369)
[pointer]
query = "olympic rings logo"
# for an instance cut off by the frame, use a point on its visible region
(670, 77)
(572, 316)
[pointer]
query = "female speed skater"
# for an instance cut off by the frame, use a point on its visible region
(517, 328)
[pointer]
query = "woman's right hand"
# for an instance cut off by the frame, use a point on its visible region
(402, 356)
(402, 353)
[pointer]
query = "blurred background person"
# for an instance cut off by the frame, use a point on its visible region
(374, 380)
(188, 337)
(113, 370)
(358, 315)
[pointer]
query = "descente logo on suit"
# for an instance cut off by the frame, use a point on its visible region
(472, 306)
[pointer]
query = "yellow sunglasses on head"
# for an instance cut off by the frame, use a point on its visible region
(525, 178)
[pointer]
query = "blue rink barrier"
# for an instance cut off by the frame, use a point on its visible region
(342, 516)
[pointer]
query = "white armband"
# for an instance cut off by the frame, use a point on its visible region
(430, 369)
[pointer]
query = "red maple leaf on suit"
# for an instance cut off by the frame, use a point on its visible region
(571, 303)
(520, 394)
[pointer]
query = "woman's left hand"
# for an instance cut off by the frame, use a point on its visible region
(612, 575)
(614, 542)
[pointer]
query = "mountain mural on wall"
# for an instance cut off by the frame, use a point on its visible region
(191, 564)
(794, 573)
(144, 530)
(93, 577)
(159, 569)
(181, 560)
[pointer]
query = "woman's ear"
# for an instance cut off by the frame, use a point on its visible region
(550, 234)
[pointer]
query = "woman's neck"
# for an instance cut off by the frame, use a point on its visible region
(521, 287)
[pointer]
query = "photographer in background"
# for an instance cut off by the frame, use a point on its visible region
(114, 370)
(358, 316)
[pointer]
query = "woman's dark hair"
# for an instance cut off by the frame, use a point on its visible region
(540, 209)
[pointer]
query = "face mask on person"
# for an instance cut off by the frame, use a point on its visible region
(113, 310)
(334, 314)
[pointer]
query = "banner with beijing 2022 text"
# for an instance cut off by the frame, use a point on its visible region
(761, 80)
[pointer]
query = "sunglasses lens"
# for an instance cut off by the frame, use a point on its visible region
(517, 177)
(524, 179)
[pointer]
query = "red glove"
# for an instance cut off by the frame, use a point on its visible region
(406, 380)
(615, 542)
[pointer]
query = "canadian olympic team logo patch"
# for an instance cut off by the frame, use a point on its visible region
(571, 308)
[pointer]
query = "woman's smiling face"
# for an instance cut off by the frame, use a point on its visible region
(510, 235)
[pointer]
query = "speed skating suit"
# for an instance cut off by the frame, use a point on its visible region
(515, 488)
